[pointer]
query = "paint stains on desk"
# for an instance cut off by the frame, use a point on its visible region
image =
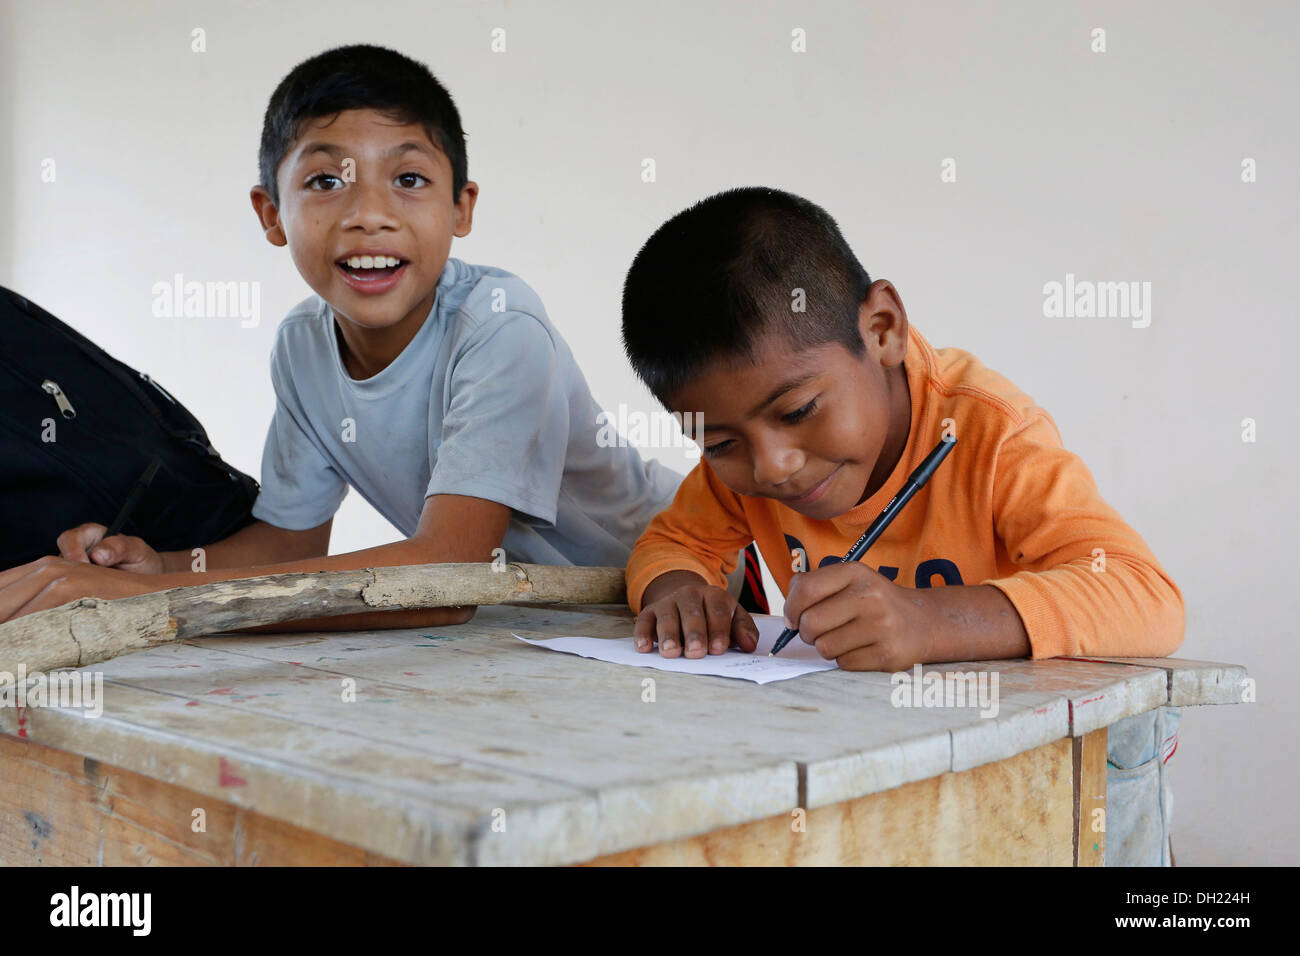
(227, 776)
(438, 639)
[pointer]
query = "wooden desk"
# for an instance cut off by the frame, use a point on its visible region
(466, 746)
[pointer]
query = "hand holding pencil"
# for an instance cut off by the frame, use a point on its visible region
(914, 483)
(93, 543)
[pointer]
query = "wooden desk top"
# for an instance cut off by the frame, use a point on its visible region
(457, 730)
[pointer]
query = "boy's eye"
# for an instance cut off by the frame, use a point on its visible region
(318, 178)
(711, 451)
(405, 176)
(800, 413)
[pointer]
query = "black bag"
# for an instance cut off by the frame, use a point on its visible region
(77, 431)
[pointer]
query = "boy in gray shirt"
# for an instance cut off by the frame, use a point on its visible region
(439, 390)
(482, 402)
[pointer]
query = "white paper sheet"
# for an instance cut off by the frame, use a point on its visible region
(796, 658)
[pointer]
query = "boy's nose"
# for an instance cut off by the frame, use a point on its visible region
(371, 206)
(774, 464)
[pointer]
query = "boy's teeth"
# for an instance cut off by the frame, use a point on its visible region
(373, 262)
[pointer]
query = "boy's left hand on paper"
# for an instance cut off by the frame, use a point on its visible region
(857, 617)
(48, 582)
(690, 617)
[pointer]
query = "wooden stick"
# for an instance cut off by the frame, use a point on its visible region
(90, 630)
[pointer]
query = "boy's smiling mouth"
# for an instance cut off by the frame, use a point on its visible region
(812, 494)
(371, 272)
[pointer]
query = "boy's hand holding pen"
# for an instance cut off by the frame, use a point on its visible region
(96, 544)
(858, 618)
(865, 590)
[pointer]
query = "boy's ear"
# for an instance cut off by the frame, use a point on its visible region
(882, 320)
(465, 209)
(268, 215)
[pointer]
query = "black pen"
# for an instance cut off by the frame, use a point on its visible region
(915, 482)
(137, 492)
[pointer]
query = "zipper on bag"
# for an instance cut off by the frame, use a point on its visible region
(65, 406)
(165, 394)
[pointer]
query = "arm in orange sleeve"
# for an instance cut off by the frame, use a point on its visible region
(1073, 600)
(703, 531)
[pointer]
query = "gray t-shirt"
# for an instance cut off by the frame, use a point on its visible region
(486, 400)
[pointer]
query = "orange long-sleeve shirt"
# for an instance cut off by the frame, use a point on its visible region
(1009, 507)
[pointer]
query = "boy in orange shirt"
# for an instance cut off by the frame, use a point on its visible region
(817, 399)
(813, 400)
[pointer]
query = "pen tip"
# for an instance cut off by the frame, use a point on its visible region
(771, 653)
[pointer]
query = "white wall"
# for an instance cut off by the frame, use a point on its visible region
(1123, 165)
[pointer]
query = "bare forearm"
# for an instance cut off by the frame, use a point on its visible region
(410, 551)
(452, 528)
(970, 623)
(253, 546)
(373, 621)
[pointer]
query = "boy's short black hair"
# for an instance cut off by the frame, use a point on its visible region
(360, 76)
(717, 276)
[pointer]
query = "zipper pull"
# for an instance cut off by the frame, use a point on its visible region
(163, 391)
(65, 406)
